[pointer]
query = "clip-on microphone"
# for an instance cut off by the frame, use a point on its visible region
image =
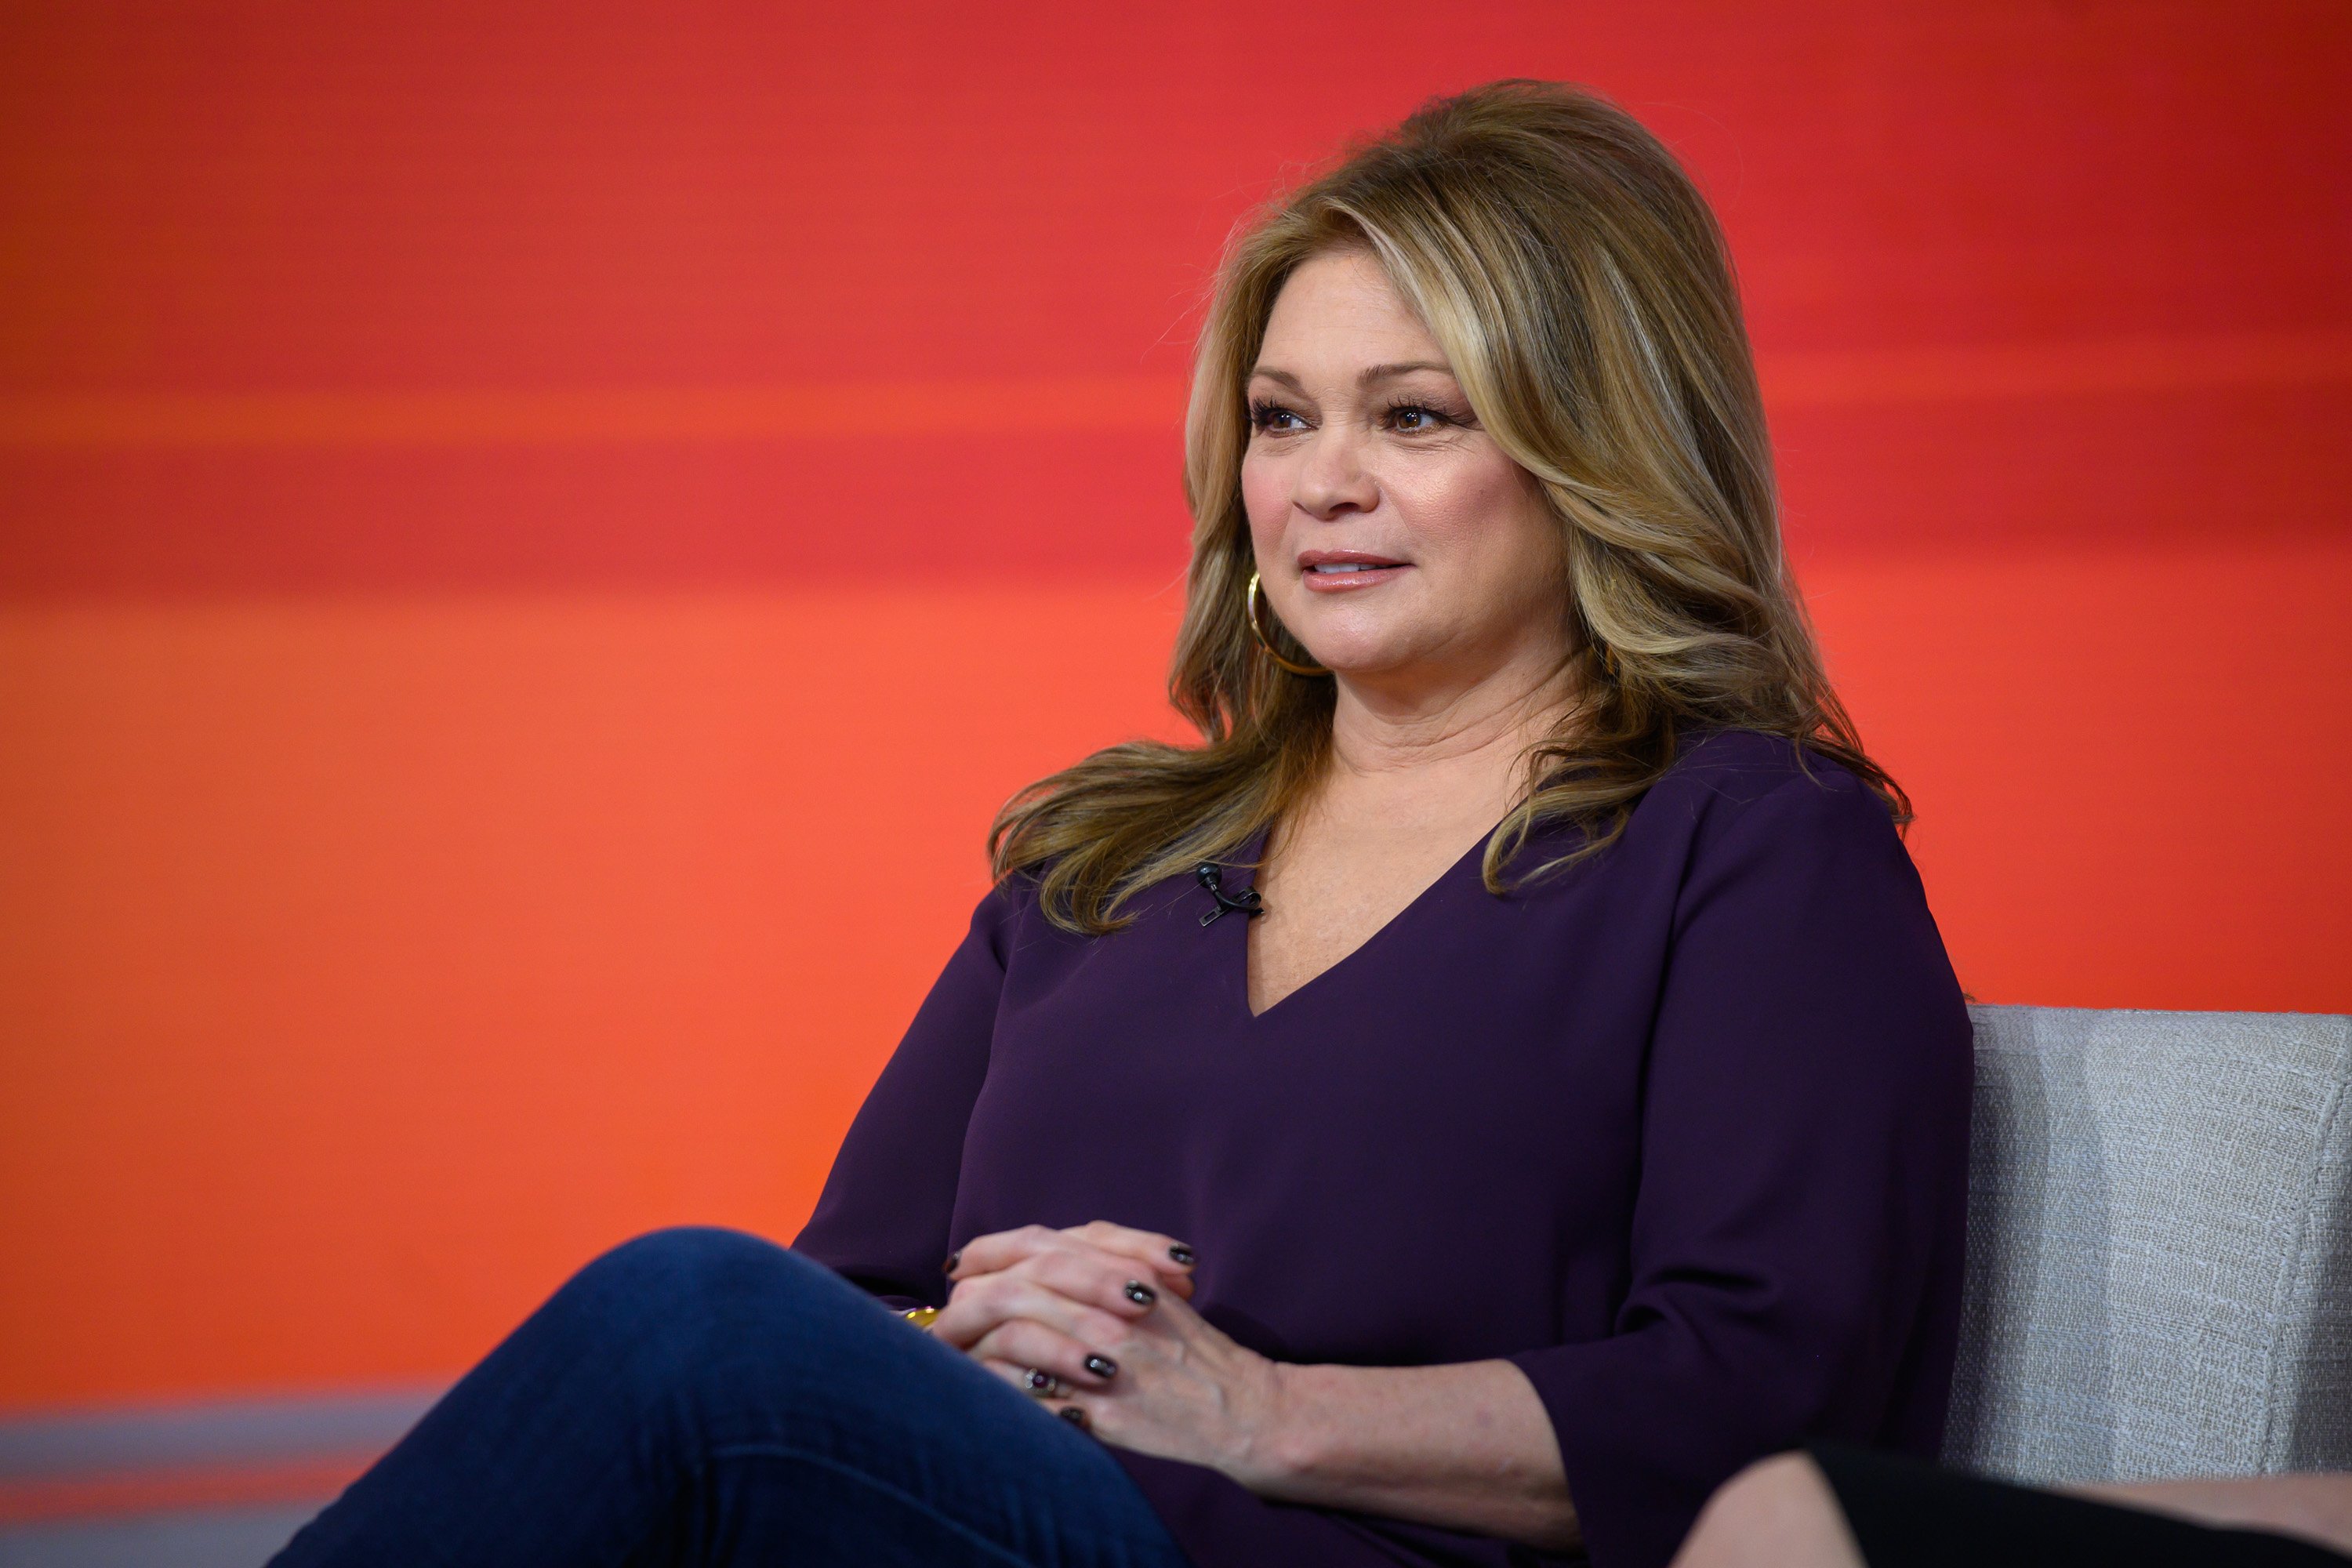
(1211, 876)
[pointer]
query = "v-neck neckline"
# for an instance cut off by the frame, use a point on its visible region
(1252, 859)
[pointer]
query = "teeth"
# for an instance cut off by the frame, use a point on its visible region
(1347, 566)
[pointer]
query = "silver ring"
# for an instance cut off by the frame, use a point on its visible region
(1042, 1384)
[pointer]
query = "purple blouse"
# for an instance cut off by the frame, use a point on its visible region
(1681, 1133)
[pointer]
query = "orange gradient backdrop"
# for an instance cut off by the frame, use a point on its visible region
(533, 538)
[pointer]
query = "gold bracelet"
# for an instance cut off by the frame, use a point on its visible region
(921, 1317)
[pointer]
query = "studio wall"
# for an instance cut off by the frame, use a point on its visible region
(533, 539)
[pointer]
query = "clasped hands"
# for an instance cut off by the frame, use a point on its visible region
(1098, 1322)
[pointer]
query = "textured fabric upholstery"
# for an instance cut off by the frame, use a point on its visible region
(2159, 1246)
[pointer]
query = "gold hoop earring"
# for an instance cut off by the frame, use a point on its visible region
(1255, 601)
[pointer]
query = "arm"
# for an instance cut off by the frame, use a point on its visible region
(1467, 1446)
(1795, 1247)
(882, 1219)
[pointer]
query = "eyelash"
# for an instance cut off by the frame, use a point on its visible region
(1264, 413)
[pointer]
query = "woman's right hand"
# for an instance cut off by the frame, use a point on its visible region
(1057, 1302)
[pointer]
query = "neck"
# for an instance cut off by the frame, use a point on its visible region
(1466, 726)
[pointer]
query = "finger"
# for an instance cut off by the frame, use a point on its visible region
(999, 1250)
(1058, 1400)
(1097, 1278)
(1083, 1271)
(1031, 1381)
(1034, 1381)
(977, 1305)
(1011, 1371)
(1046, 1357)
(1164, 1255)
(1003, 1249)
(1126, 1287)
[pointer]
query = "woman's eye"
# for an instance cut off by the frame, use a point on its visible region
(1274, 417)
(1413, 418)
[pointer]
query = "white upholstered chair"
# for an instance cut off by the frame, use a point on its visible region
(2159, 1246)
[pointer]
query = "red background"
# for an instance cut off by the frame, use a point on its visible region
(533, 538)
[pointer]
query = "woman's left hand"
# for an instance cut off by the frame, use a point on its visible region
(1182, 1388)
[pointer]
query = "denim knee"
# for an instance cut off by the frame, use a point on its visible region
(676, 1282)
(685, 1256)
(720, 1317)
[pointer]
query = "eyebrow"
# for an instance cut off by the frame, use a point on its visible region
(1368, 374)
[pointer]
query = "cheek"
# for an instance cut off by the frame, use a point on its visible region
(1482, 513)
(1530, 538)
(1496, 548)
(1266, 496)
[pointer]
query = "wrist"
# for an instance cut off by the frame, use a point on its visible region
(1282, 1438)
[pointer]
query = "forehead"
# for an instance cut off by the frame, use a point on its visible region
(1338, 310)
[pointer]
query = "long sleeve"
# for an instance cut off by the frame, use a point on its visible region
(1802, 1180)
(882, 1220)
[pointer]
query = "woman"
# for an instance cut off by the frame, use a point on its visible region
(1502, 1081)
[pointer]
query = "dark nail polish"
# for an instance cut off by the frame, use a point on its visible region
(1073, 1414)
(1102, 1366)
(949, 1267)
(1139, 1293)
(1183, 1255)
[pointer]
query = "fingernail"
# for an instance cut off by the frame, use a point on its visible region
(1182, 1254)
(1139, 1293)
(1073, 1416)
(949, 1267)
(1102, 1366)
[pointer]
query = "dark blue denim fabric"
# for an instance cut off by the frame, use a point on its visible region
(701, 1396)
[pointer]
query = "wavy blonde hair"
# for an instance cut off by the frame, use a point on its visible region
(1583, 295)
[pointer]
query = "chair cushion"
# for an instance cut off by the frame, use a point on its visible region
(2159, 1275)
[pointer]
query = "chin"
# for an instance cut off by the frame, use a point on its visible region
(1363, 656)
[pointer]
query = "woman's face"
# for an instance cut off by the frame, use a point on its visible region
(1393, 537)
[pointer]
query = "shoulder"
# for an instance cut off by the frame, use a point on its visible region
(1008, 906)
(1722, 778)
(1751, 822)
(1727, 786)
(1009, 924)
(1743, 815)
(997, 922)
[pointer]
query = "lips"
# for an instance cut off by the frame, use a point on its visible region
(1344, 563)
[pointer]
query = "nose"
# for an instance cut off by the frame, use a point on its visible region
(1333, 480)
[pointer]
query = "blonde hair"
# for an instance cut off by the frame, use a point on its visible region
(1583, 293)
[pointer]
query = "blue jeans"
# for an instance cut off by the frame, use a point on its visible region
(701, 1396)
